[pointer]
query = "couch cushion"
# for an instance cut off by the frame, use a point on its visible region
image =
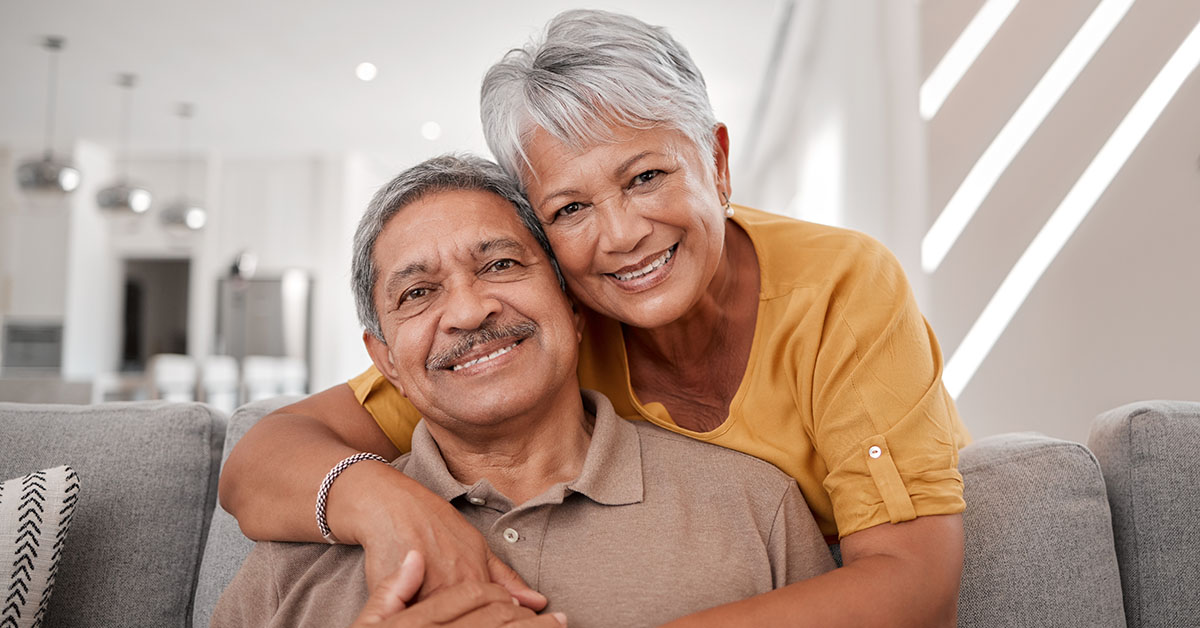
(1148, 452)
(1039, 542)
(149, 475)
(227, 546)
(35, 515)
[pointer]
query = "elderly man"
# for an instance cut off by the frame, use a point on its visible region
(617, 523)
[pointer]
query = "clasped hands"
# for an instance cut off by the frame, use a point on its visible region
(466, 604)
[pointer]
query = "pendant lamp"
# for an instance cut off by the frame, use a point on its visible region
(183, 213)
(121, 195)
(49, 173)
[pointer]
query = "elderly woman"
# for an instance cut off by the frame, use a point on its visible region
(797, 343)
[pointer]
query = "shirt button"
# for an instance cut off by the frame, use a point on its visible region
(875, 452)
(511, 535)
(478, 501)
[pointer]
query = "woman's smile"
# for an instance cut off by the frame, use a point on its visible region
(646, 274)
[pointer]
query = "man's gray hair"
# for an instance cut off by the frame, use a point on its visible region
(439, 174)
(592, 69)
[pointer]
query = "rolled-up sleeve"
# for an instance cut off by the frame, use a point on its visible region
(882, 420)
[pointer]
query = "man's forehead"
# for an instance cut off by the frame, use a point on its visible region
(456, 222)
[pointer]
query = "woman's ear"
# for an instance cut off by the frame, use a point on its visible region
(721, 160)
(382, 357)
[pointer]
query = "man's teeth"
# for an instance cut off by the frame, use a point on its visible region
(495, 354)
(648, 268)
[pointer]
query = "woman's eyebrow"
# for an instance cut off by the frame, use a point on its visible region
(619, 171)
(628, 163)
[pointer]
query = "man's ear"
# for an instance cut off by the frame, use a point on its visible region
(721, 159)
(382, 357)
(577, 315)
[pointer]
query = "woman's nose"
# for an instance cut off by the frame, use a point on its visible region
(622, 227)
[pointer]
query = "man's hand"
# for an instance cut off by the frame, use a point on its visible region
(470, 604)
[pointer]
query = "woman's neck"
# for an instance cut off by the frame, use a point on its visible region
(728, 305)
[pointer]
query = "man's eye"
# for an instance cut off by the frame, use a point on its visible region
(414, 294)
(502, 265)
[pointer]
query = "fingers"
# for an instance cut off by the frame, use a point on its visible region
(392, 595)
(409, 577)
(549, 620)
(456, 603)
(504, 576)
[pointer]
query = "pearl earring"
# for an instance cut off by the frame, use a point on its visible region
(728, 209)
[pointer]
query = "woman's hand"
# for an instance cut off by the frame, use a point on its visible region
(269, 483)
(467, 604)
(389, 514)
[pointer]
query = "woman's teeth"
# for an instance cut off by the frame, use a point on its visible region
(648, 268)
(495, 354)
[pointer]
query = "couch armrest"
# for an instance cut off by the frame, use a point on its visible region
(1150, 454)
(148, 474)
(227, 547)
(1039, 542)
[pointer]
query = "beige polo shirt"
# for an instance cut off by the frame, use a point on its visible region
(656, 526)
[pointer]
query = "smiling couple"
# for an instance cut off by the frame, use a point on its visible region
(798, 344)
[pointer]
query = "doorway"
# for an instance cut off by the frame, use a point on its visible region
(156, 310)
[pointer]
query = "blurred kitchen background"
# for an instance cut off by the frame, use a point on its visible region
(1034, 165)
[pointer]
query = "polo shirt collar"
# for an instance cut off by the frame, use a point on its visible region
(612, 469)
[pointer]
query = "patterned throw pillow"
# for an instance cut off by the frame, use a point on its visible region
(35, 512)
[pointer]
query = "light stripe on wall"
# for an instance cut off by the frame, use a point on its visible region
(1078, 202)
(962, 54)
(1020, 127)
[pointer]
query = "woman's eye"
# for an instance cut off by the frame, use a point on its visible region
(646, 176)
(567, 210)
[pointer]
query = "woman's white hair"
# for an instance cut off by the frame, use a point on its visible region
(589, 70)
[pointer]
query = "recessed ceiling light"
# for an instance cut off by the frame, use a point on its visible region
(431, 130)
(366, 71)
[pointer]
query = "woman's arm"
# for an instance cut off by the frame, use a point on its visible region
(269, 484)
(895, 574)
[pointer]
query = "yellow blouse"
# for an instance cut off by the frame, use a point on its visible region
(842, 391)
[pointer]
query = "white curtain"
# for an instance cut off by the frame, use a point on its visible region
(836, 137)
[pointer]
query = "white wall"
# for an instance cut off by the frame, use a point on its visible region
(33, 266)
(94, 288)
(1114, 318)
(837, 139)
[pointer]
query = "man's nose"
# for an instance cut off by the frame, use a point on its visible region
(467, 307)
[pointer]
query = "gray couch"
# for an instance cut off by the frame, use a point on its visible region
(1056, 536)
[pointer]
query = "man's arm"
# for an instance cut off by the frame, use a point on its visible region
(902, 574)
(270, 481)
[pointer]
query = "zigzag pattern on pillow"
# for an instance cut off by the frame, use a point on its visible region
(35, 514)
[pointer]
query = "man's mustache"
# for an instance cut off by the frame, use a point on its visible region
(486, 333)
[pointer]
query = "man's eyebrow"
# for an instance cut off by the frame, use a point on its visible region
(618, 171)
(397, 279)
(499, 244)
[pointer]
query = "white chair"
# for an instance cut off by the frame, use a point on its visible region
(219, 382)
(262, 377)
(172, 377)
(293, 376)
